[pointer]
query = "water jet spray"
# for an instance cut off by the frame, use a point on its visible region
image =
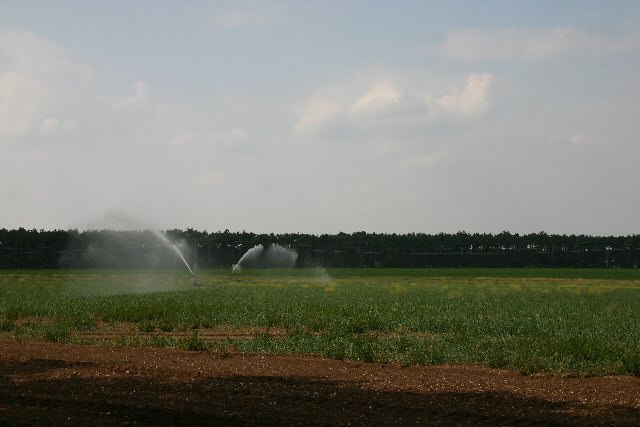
(269, 256)
(175, 248)
(168, 242)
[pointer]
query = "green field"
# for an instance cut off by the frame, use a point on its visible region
(572, 321)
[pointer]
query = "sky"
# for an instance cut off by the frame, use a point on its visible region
(321, 116)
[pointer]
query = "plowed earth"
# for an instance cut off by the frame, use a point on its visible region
(58, 384)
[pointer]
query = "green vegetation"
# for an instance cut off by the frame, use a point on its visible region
(581, 322)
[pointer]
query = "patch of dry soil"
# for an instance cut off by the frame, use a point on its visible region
(58, 384)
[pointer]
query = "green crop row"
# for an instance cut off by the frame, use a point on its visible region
(570, 324)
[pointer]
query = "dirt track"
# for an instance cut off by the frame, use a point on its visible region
(56, 384)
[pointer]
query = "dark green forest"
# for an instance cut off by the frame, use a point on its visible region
(23, 248)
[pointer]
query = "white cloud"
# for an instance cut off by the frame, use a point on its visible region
(381, 97)
(236, 137)
(20, 96)
(44, 90)
(473, 100)
(577, 138)
(209, 179)
(386, 103)
(318, 111)
(184, 139)
(39, 81)
(139, 100)
(429, 160)
(45, 98)
(232, 138)
(36, 56)
(52, 124)
(239, 18)
(529, 44)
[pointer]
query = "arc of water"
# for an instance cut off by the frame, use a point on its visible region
(175, 248)
(168, 242)
(272, 256)
(257, 248)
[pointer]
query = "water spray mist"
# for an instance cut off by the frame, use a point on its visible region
(168, 242)
(271, 256)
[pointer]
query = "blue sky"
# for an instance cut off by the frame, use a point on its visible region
(321, 116)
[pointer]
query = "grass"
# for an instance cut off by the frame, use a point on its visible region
(565, 322)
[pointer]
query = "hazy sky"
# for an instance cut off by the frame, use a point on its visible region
(322, 116)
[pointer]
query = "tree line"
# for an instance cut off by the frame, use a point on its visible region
(22, 248)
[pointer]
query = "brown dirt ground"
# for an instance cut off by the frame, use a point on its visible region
(57, 384)
(108, 333)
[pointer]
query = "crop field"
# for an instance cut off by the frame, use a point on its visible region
(560, 322)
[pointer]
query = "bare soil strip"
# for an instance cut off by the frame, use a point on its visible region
(58, 384)
(108, 332)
